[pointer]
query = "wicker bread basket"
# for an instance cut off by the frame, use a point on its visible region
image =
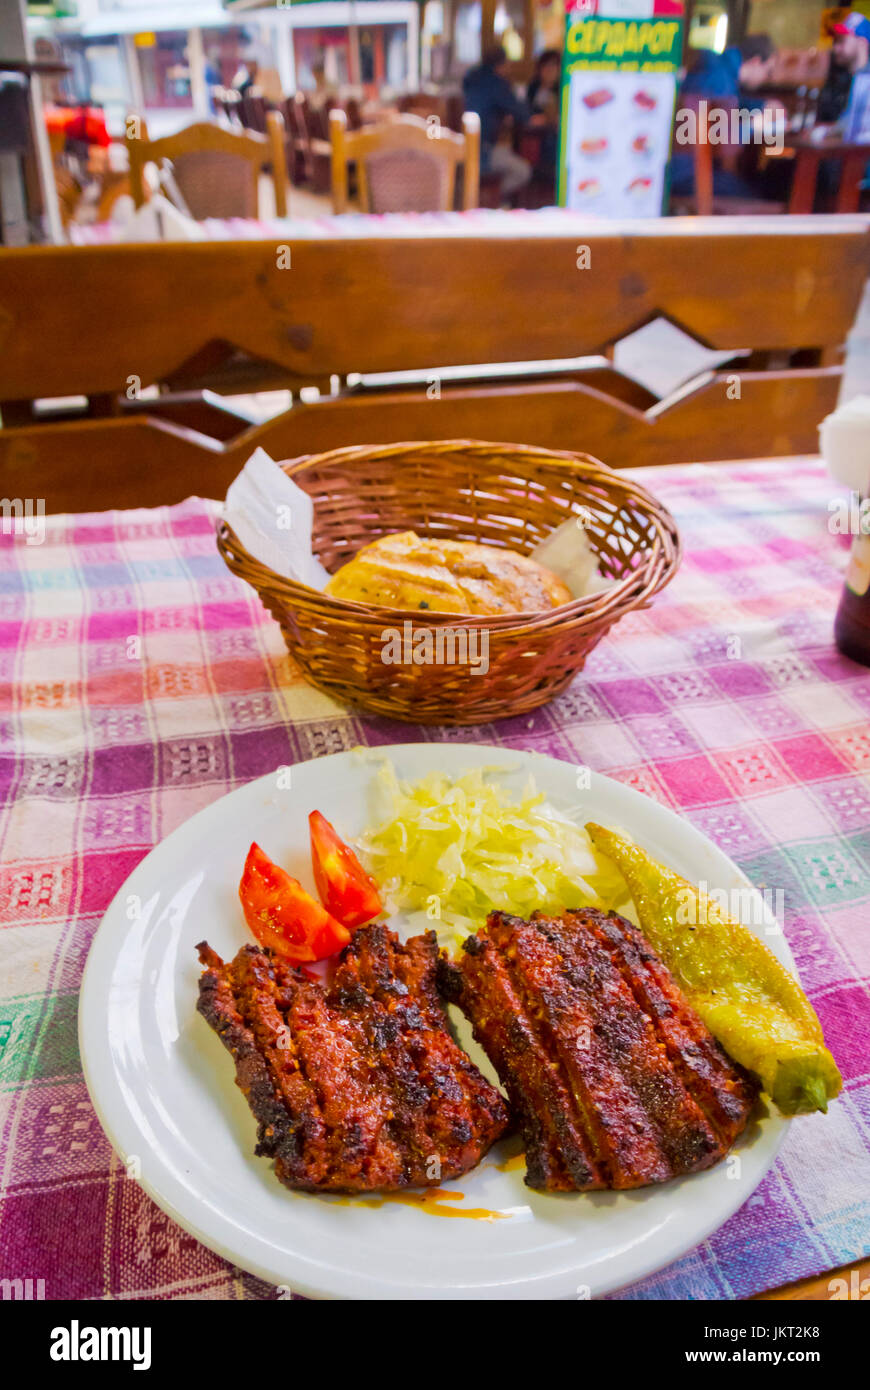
(499, 494)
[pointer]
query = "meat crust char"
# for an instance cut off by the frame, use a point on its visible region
(615, 1080)
(357, 1085)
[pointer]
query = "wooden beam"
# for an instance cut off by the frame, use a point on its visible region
(143, 461)
(342, 306)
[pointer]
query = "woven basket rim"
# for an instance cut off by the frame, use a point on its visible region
(612, 603)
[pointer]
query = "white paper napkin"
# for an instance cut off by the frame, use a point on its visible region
(158, 220)
(568, 554)
(844, 440)
(272, 518)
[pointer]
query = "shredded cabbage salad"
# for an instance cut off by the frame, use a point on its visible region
(458, 848)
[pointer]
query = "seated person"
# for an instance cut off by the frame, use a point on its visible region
(850, 53)
(489, 93)
(542, 99)
(542, 93)
(734, 76)
(245, 79)
(737, 72)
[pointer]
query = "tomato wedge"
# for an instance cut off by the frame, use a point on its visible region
(283, 916)
(345, 889)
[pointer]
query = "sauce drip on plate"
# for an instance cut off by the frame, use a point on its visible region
(432, 1201)
(510, 1165)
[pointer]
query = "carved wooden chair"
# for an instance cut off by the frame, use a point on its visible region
(217, 171)
(710, 154)
(311, 154)
(406, 164)
(253, 112)
(447, 106)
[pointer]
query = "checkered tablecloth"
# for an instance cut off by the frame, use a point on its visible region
(476, 222)
(726, 701)
(486, 222)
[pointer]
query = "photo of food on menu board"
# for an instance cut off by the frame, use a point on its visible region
(617, 142)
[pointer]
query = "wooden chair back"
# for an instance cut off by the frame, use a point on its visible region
(297, 168)
(253, 112)
(227, 102)
(312, 155)
(721, 137)
(447, 106)
(217, 170)
(776, 297)
(405, 165)
(319, 114)
(352, 110)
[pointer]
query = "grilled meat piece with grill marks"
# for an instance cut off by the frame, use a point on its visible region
(615, 1079)
(357, 1085)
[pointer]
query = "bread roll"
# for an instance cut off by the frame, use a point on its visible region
(409, 571)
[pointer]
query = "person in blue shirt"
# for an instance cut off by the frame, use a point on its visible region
(489, 93)
(732, 76)
(850, 54)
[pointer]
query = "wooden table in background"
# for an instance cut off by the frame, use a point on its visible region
(809, 154)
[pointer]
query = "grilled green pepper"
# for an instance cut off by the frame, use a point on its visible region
(750, 1002)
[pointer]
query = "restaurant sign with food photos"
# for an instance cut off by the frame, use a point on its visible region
(619, 82)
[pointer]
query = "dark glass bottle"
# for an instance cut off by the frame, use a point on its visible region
(852, 623)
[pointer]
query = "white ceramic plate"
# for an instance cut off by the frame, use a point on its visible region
(163, 1086)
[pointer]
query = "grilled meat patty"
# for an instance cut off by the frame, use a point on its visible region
(357, 1085)
(613, 1076)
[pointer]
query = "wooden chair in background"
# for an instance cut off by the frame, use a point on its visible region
(226, 101)
(406, 164)
(217, 171)
(311, 153)
(726, 155)
(253, 111)
(351, 108)
(447, 106)
(69, 186)
(90, 174)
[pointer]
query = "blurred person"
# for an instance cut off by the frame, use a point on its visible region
(737, 73)
(246, 77)
(489, 93)
(212, 83)
(734, 76)
(542, 93)
(325, 92)
(850, 53)
(542, 99)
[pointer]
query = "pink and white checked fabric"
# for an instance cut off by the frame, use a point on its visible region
(140, 681)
